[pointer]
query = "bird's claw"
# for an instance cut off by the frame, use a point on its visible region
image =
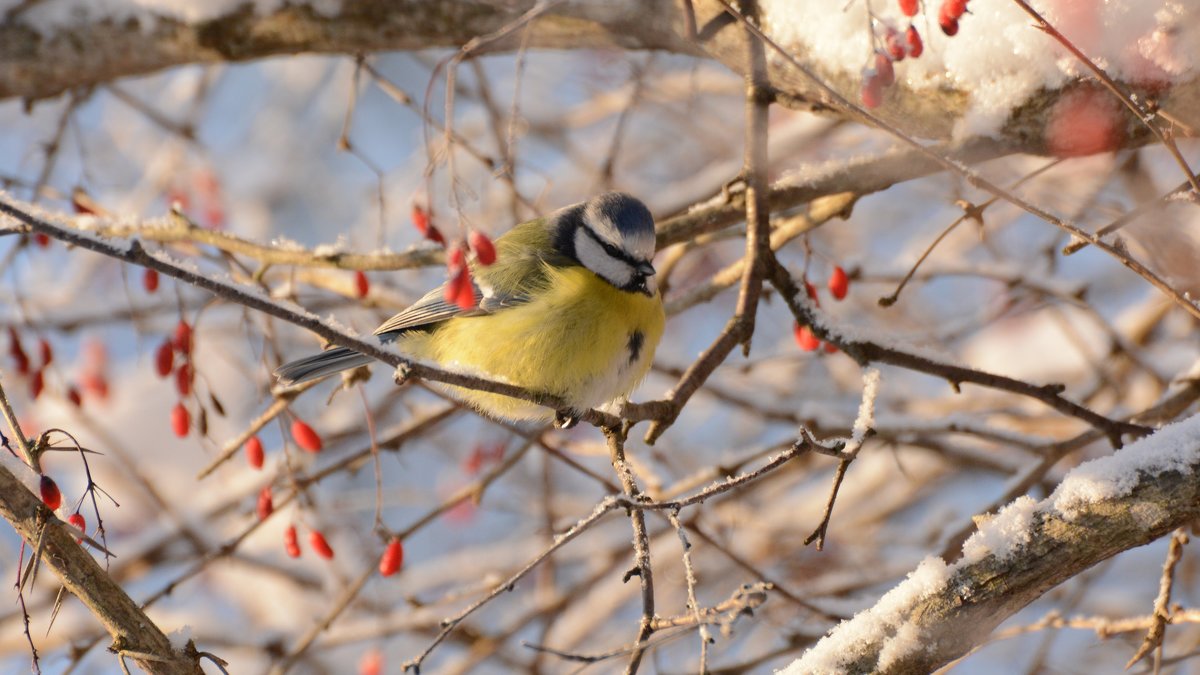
(565, 419)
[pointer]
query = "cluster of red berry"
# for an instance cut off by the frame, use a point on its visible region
(839, 286)
(896, 48)
(459, 290)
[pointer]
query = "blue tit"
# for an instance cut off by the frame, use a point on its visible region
(570, 308)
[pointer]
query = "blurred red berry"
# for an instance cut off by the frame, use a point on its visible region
(180, 420)
(839, 283)
(420, 220)
(485, 250)
(305, 437)
(77, 520)
(254, 452)
(289, 542)
(51, 496)
(37, 383)
(895, 45)
(183, 379)
(41, 239)
(266, 505)
(95, 384)
(361, 285)
(884, 70)
(872, 90)
(455, 259)
(371, 663)
(317, 542)
(908, 7)
(913, 39)
(948, 23)
(20, 358)
(150, 280)
(74, 397)
(805, 338)
(45, 351)
(393, 557)
(953, 8)
(164, 359)
(459, 291)
(830, 348)
(182, 341)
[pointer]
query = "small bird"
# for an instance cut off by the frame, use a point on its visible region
(569, 308)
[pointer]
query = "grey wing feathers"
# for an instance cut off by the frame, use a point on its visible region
(319, 365)
(430, 309)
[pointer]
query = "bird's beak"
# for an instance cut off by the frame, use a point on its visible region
(647, 273)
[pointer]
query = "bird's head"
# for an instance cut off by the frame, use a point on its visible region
(612, 234)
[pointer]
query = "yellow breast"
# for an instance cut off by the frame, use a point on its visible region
(580, 339)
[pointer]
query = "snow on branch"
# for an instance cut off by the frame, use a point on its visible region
(1101, 508)
(49, 47)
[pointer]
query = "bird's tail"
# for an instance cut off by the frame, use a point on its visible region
(319, 365)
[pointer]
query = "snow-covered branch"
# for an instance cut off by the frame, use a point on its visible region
(1101, 508)
(50, 47)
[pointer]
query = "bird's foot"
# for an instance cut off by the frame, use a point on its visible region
(565, 419)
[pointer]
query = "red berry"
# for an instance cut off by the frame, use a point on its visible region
(305, 437)
(839, 283)
(393, 557)
(455, 259)
(883, 66)
(459, 290)
(266, 505)
(183, 379)
(289, 542)
(805, 338)
(913, 38)
(95, 384)
(895, 46)
(182, 341)
(74, 397)
(908, 7)
(371, 663)
(36, 384)
(180, 420)
(77, 520)
(20, 358)
(41, 239)
(953, 9)
(361, 285)
(949, 24)
(45, 351)
(164, 359)
(150, 280)
(420, 219)
(317, 542)
(485, 250)
(830, 348)
(254, 452)
(872, 90)
(51, 496)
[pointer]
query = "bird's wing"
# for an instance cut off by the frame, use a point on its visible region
(517, 275)
(433, 308)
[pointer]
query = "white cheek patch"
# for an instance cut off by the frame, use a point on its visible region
(593, 256)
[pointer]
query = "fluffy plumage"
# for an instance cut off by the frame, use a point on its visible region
(569, 308)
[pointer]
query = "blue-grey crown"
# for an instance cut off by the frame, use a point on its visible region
(624, 221)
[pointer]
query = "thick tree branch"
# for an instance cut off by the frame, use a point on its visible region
(1100, 509)
(99, 49)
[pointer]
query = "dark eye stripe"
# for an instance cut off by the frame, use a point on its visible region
(612, 250)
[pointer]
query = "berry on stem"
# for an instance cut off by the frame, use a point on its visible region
(361, 285)
(180, 420)
(908, 7)
(393, 558)
(305, 437)
(266, 505)
(254, 452)
(805, 338)
(290, 544)
(164, 359)
(51, 495)
(319, 545)
(150, 280)
(485, 250)
(78, 521)
(839, 283)
(913, 39)
(183, 379)
(182, 341)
